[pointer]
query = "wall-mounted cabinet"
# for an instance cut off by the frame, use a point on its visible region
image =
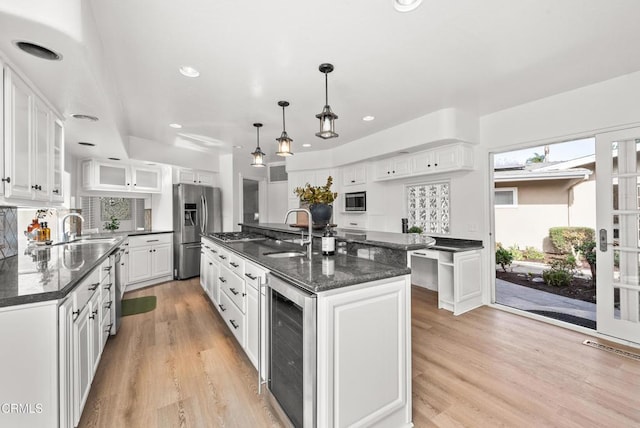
(391, 168)
(33, 152)
(192, 176)
(119, 177)
(354, 174)
(454, 157)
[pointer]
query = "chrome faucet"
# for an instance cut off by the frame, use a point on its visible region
(310, 221)
(63, 236)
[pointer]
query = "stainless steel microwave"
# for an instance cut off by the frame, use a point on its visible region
(355, 201)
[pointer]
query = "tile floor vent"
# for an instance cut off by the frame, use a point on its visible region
(611, 349)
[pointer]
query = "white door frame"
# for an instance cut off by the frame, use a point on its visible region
(622, 322)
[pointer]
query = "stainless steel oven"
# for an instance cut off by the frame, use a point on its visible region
(291, 351)
(355, 201)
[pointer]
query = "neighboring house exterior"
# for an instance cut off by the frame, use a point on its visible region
(530, 199)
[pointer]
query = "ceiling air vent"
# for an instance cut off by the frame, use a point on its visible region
(277, 173)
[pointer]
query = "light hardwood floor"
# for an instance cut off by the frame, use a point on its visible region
(179, 366)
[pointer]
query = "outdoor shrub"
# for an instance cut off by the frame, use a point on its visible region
(565, 238)
(561, 272)
(588, 251)
(532, 253)
(516, 252)
(503, 258)
(557, 277)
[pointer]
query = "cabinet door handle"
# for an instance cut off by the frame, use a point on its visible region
(93, 286)
(108, 286)
(221, 307)
(251, 277)
(233, 323)
(108, 268)
(353, 181)
(235, 265)
(213, 251)
(75, 314)
(419, 254)
(353, 224)
(108, 305)
(210, 264)
(221, 278)
(93, 314)
(233, 290)
(55, 191)
(108, 330)
(222, 257)
(153, 240)
(6, 180)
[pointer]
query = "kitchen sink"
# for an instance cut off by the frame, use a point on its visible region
(284, 254)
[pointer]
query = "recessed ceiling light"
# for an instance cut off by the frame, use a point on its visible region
(38, 51)
(84, 143)
(114, 159)
(306, 145)
(406, 5)
(185, 70)
(368, 118)
(237, 147)
(84, 117)
(175, 125)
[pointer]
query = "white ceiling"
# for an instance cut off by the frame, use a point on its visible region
(480, 56)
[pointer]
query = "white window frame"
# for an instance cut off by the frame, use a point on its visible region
(513, 190)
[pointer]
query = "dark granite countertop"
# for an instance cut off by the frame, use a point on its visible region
(319, 274)
(392, 240)
(50, 272)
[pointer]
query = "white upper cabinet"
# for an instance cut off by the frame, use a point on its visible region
(58, 155)
(354, 174)
(393, 168)
(32, 144)
(192, 176)
(448, 158)
(120, 177)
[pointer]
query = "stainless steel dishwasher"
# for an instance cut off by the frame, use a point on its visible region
(119, 283)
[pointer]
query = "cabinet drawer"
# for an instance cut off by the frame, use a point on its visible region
(85, 290)
(253, 273)
(236, 264)
(222, 256)
(158, 238)
(233, 317)
(233, 287)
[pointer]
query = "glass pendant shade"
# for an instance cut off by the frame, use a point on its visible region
(284, 142)
(327, 123)
(258, 154)
(327, 117)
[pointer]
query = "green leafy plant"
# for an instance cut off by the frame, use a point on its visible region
(516, 253)
(587, 250)
(504, 258)
(415, 229)
(316, 194)
(565, 238)
(561, 272)
(112, 224)
(532, 253)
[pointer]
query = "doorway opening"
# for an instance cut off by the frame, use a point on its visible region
(544, 222)
(250, 201)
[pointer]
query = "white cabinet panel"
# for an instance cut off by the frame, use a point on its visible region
(354, 174)
(57, 148)
(120, 177)
(146, 179)
(150, 259)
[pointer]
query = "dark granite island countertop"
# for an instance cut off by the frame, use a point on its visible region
(319, 274)
(390, 240)
(50, 272)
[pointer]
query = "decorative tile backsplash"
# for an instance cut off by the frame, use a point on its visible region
(8, 232)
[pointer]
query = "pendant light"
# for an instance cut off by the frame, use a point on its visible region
(258, 154)
(284, 142)
(327, 117)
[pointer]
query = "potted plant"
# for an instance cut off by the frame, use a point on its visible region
(319, 199)
(113, 224)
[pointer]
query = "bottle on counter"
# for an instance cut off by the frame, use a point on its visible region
(328, 242)
(41, 233)
(47, 232)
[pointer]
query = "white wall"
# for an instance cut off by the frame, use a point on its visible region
(277, 202)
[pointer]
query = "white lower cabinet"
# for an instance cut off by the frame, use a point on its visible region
(364, 355)
(233, 283)
(455, 275)
(81, 362)
(150, 260)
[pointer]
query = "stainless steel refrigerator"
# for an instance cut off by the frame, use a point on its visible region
(197, 210)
